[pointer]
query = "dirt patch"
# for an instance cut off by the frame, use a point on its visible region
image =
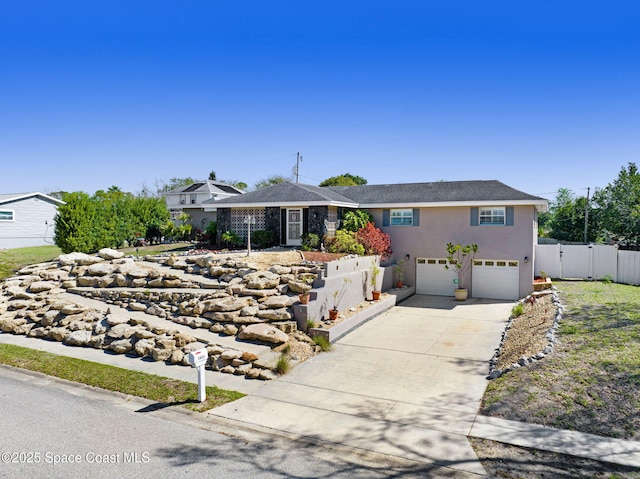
(513, 462)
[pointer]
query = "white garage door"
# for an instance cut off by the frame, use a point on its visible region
(433, 278)
(496, 279)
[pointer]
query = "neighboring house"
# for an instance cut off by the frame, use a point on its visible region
(421, 218)
(27, 219)
(196, 200)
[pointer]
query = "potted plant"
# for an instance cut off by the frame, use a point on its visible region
(304, 297)
(460, 258)
(306, 285)
(398, 271)
(333, 312)
(375, 272)
(337, 297)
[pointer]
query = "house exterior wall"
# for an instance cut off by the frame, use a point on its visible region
(33, 224)
(441, 225)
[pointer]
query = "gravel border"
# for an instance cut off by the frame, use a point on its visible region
(550, 335)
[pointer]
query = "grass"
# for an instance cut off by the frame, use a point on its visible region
(283, 365)
(591, 383)
(12, 260)
(322, 341)
(135, 383)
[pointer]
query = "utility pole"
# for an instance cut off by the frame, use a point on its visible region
(298, 160)
(586, 216)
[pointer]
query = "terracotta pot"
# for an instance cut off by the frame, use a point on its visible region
(376, 295)
(303, 298)
(333, 314)
(461, 294)
(399, 284)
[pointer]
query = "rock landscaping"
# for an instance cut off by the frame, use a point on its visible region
(530, 336)
(152, 301)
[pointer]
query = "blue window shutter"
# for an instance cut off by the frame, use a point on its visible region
(508, 221)
(386, 217)
(416, 217)
(474, 217)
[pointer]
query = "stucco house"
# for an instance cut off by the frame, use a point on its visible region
(197, 200)
(421, 218)
(27, 219)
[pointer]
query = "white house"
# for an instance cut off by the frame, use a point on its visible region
(27, 219)
(189, 199)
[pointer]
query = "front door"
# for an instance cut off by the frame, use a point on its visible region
(294, 226)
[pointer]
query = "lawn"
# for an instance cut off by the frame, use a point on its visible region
(12, 260)
(135, 383)
(591, 382)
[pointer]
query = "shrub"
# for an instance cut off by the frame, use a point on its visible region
(374, 241)
(517, 310)
(231, 238)
(310, 241)
(211, 231)
(344, 242)
(354, 220)
(311, 324)
(262, 238)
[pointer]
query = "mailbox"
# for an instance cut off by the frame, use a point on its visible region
(198, 358)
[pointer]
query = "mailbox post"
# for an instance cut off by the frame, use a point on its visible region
(198, 359)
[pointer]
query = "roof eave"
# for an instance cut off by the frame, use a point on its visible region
(541, 205)
(279, 204)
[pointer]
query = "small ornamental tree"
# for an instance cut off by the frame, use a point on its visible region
(374, 241)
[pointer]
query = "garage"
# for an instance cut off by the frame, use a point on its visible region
(496, 279)
(433, 278)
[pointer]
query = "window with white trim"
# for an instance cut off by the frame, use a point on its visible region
(6, 215)
(403, 217)
(492, 216)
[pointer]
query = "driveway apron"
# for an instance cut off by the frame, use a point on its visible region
(407, 383)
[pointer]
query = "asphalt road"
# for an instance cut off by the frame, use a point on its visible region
(53, 429)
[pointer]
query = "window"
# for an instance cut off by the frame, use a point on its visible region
(183, 199)
(492, 216)
(402, 217)
(6, 215)
(194, 198)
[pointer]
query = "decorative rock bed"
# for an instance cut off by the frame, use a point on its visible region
(234, 298)
(524, 360)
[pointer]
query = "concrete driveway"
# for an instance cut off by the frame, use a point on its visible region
(408, 384)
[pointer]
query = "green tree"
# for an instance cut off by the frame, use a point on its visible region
(566, 221)
(106, 219)
(272, 180)
(212, 175)
(619, 205)
(346, 179)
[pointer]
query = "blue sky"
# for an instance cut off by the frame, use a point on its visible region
(540, 95)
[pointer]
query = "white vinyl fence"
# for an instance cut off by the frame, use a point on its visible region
(590, 262)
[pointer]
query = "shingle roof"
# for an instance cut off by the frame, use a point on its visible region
(288, 193)
(6, 198)
(371, 195)
(435, 192)
(208, 186)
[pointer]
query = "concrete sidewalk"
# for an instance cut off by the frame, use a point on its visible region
(573, 443)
